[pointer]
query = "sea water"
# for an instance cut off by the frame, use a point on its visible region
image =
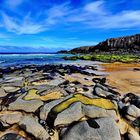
(7, 60)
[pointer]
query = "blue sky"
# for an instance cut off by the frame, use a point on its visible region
(51, 25)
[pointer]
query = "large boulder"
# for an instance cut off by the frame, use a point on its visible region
(93, 129)
(69, 115)
(73, 108)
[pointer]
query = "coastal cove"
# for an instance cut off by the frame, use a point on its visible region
(43, 101)
(69, 70)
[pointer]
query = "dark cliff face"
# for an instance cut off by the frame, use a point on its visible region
(128, 44)
(84, 49)
(63, 51)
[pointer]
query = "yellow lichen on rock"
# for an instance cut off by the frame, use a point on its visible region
(25, 84)
(52, 95)
(32, 95)
(99, 102)
(64, 105)
(40, 82)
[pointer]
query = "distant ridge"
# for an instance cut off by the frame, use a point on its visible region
(126, 44)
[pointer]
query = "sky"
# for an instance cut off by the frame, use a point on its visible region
(52, 25)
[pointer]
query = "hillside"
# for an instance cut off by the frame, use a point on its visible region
(126, 44)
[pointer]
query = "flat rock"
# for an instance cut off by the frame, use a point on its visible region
(10, 89)
(33, 94)
(56, 82)
(96, 112)
(69, 115)
(54, 89)
(79, 78)
(13, 79)
(98, 129)
(10, 117)
(39, 88)
(2, 93)
(27, 106)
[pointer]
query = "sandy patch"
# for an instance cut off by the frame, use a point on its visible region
(123, 77)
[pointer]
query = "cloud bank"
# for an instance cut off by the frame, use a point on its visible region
(91, 15)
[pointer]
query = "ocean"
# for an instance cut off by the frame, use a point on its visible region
(7, 60)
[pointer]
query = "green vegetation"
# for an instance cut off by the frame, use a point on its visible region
(107, 57)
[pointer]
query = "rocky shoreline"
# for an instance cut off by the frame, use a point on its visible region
(64, 102)
(120, 45)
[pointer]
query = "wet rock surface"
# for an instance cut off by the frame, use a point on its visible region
(64, 102)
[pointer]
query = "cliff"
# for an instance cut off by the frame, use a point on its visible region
(127, 44)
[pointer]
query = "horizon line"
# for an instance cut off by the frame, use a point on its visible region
(28, 52)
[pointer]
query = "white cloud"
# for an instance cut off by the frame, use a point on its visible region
(95, 15)
(25, 26)
(122, 20)
(9, 23)
(96, 7)
(57, 13)
(92, 15)
(28, 25)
